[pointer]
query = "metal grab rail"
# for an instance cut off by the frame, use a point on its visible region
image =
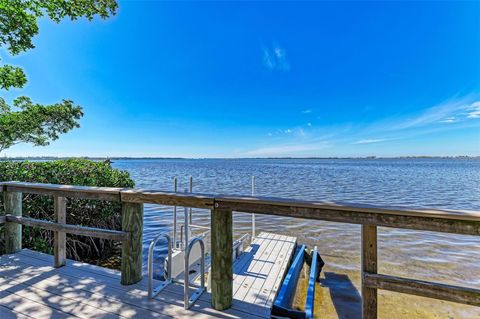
(152, 292)
(182, 227)
(188, 302)
(238, 246)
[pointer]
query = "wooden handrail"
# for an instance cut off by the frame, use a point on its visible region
(72, 191)
(423, 288)
(452, 221)
(70, 229)
(248, 204)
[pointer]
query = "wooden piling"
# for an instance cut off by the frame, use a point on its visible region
(132, 222)
(369, 266)
(221, 271)
(60, 238)
(13, 231)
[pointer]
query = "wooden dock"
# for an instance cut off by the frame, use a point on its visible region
(31, 287)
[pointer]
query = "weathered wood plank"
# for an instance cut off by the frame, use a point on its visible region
(369, 264)
(132, 222)
(261, 244)
(243, 282)
(86, 295)
(6, 313)
(467, 224)
(270, 271)
(56, 301)
(73, 191)
(96, 279)
(273, 203)
(29, 308)
(241, 264)
(422, 288)
(13, 231)
(60, 237)
(71, 229)
(334, 211)
(283, 270)
(167, 198)
(221, 269)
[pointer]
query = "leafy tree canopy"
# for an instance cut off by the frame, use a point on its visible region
(35, 123)
(25, 121)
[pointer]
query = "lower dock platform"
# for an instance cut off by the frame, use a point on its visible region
(30, 287)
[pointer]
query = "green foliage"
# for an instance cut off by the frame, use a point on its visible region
(92, 213)
(11, 76)
(18, 18)
(18, 26)
(34, 123)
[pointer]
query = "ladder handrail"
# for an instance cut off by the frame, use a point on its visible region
(151, 291)
(188, 302)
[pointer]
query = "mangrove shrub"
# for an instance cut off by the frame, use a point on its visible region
(94, 213)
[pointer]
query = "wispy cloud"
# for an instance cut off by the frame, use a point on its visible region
(457, 109)
(307, 111)
(301, 132)
(474, 110)
(275, 58)
(288, 149)
(309, 139)
(451, 119)
(370, 141)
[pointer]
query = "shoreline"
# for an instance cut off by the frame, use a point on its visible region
(460, 157)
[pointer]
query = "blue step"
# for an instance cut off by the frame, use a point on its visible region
(282, 307)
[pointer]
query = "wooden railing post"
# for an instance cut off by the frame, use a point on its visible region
(132, 222)
(369, 265)
(221, 272)
(13, 231)
(60, 237)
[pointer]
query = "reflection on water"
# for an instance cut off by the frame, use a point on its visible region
(433, 183)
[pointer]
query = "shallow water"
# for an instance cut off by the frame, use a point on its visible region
(432, 183)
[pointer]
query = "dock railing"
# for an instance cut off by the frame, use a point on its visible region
(222, 207)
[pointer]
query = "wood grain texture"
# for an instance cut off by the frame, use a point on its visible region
(458, 224)
(168, 198)
(422, 288)
(71, 229)
(73, 191)
(272, 203)
(369, 264)
(132, 222)
(60, 237)
(221, 269)
(225, 201)
(77, 287)
(13, 231)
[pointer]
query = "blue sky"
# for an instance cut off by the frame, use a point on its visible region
(252, 79)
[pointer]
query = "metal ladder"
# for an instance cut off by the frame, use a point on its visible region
(188, 301)
(185, 233)
(153, 291)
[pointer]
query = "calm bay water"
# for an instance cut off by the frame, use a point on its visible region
(427, 183)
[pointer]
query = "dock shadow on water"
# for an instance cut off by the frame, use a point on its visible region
(344, 295)
(336, 296)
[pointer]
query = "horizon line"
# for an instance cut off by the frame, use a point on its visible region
(236, 158)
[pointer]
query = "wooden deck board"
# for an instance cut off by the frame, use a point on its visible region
(30, 287)
(256, 281)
